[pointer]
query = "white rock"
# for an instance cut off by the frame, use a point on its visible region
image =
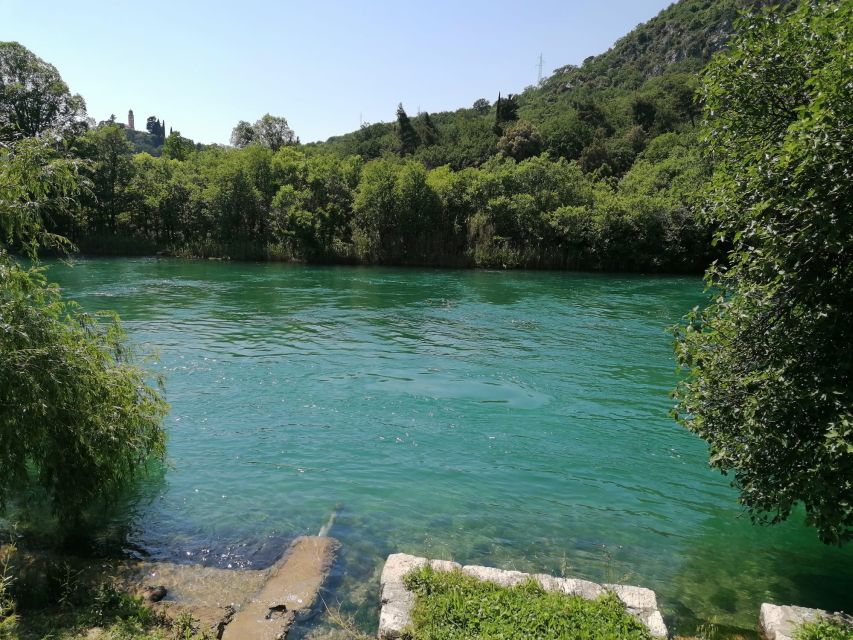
(634, 597)
(583, 588)
(781, 622)
(499, 576)
(397, 601)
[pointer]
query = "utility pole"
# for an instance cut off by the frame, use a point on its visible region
(541, 62)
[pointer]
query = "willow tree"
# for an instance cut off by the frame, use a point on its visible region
(77, 418)
(770, 361)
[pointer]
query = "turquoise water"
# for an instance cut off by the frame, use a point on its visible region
(512, 419)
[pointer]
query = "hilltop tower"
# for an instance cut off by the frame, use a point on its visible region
(130, 120)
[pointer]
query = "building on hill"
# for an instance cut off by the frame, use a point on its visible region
(130, 123)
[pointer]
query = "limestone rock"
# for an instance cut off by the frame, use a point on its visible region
(501, 577)
(397, 602)
(289, 594)
(781, 622)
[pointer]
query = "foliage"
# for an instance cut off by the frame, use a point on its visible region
(770, 361)
(269, 131)
(177, 147)
(453, 605)
(520, 141)
(824, 630)
(78, 419)
(33, 98)
(406, 134)
(116, 614)
(290, 205)
(8, 619)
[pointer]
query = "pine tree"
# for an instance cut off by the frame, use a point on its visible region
(426, 129)
(409, 139)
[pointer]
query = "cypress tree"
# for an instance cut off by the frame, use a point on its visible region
(427, 130)
(409, 139)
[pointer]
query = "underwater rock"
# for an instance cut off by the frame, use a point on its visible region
(289, 594)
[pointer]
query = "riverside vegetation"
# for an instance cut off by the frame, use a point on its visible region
(602, 166)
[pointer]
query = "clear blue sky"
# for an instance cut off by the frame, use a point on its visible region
(205, 65)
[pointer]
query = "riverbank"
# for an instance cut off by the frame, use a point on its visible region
(502, 257)
(142, 600)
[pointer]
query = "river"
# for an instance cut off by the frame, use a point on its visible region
(515, 419)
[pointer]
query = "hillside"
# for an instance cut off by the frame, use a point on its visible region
(598, 168)
(647, 79)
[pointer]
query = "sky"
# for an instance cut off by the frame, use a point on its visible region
(325, 65)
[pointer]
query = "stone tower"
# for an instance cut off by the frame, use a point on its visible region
(130, 120)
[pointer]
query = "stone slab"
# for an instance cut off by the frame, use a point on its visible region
(289, 594)
(397, 602)
(780, 622)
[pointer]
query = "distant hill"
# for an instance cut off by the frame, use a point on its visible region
(683, 37)
(589, 112)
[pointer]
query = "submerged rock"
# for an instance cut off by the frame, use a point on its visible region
(290, 593)
(155, 594)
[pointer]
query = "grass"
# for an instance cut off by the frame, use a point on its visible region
(824, 630)
(76, 609)
(117, 616)
(453, 606)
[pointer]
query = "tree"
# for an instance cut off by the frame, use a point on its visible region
(178, 147)
(506, 110)
(427, 130)
(272, 132)
(769, 362)
(156, 129)
(644, 112)
(243, 134)
(406, 135)
(110, 152)
(481, 106)
(520, 141)
(77, 419)
(33, 97)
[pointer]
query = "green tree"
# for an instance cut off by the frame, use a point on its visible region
(156, 129)
(243, 134)
(520, 141)
(273, 132)
(427, 131)
(33, 97)
(406, 135)
(770, 361)
(481, 106)
(506, 110)
(111, 169)
(77, 419)
(177, 147)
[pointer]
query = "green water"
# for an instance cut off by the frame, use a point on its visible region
(510, 419)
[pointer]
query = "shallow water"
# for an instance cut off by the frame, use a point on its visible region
(512, 419)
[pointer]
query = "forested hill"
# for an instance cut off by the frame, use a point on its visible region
(598, 168)
(649, 77)
(682, 37)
